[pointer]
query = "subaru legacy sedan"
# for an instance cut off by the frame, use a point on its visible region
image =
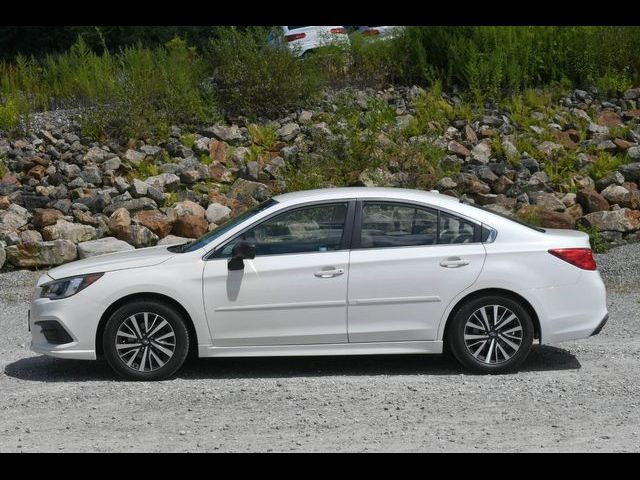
(343, 271)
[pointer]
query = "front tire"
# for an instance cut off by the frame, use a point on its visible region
(491, 334)
(145, 340)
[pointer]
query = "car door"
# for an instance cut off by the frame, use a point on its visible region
(407, 263)
(295, 290)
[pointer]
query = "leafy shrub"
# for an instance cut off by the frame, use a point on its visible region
(255, 79)
(598, 244)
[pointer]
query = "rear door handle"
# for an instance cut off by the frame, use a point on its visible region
(329, 273)
(454, 262)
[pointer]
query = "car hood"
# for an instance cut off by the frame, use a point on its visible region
(143, 257)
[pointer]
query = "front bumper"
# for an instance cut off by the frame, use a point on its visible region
(75, 316)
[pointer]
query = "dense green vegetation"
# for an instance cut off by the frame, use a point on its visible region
(140, 81)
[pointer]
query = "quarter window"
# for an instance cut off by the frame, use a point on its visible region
(455, 230)
(317, 228)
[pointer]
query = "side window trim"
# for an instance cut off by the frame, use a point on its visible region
(345, 242)
(357, 223)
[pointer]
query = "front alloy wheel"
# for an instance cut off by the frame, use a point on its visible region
(145, 340)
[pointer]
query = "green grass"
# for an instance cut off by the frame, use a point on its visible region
(598, 244)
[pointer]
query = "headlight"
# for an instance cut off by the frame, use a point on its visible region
(65, 287)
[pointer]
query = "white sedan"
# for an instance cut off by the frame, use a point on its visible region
(341, 271)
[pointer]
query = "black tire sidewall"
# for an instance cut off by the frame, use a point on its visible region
(169, 314)
(457, 346)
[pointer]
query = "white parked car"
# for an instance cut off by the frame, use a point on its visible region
(302, 40)
(328, 272)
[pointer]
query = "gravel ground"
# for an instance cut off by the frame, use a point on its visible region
(578, 396)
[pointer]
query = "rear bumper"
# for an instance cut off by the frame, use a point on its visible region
(600, 325)
(570, 312)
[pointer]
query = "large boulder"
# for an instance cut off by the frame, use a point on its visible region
(74, 232)
(102, 246)
(248, 192)
(288, 131)
(156, 221)
(139, 236)
(217, 212)
(190, 226)
(133, 205)
(547, 200)
(630, 171)
(46, 216)
(617, 194)
(591, 201)
(32, 255)
(119, 221)
(622, 220)
(166, 182)
(231, 135)
(174, 240)
(188, 208)
(546, 218)
(14, 217)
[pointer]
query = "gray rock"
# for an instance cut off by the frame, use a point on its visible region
(547, 200)
(174, 240)
(3, 256)
(216, 212)
(96, 155)
(134, 157)
(140, 236)
(231, 135)
(64, 230)
(621, 220)
(481, 153)
(91, 174)
(41, 254)
(102, 246)
(150, 150)
(138, 188)
(112, 164)
(597, 129)
(288, 131)
(634, 153)
(615, 178)
(630, 171)
(616, 194)
(168, 182)
(133, 205)
(403, 121)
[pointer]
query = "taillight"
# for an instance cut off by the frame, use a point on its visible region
(338, 30)
(295, 36)
(580, 257)
(371, 32)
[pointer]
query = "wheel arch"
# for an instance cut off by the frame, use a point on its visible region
(494, 291)
(193, 338)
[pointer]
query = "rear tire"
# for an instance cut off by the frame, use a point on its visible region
(491, 334)
(145, 340)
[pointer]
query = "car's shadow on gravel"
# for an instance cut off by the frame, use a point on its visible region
(47, 369)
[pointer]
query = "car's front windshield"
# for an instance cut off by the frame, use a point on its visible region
(225, 227)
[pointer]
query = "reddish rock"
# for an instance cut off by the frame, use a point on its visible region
(609, 119)
(622, 144)
(631, 114)
(568, 138)
(156, 221)
(46, 216)
(502, 185)
(546, 218)
(591, 201)
(4, 202)
(38, 172)
(458, 149)
(217, 151)
(470, 135)
(190, 226)
(220, 173)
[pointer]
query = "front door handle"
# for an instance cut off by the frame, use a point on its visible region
(329, 273)
(453, 262)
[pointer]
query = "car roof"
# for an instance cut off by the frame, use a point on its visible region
(431, 197)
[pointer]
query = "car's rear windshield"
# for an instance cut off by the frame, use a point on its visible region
(225, 227)
(513, 219)
(294, 28)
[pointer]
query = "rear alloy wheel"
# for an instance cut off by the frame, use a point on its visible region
(145, 340)
(491, 334)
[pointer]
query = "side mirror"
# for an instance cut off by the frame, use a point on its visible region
(241, 251)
